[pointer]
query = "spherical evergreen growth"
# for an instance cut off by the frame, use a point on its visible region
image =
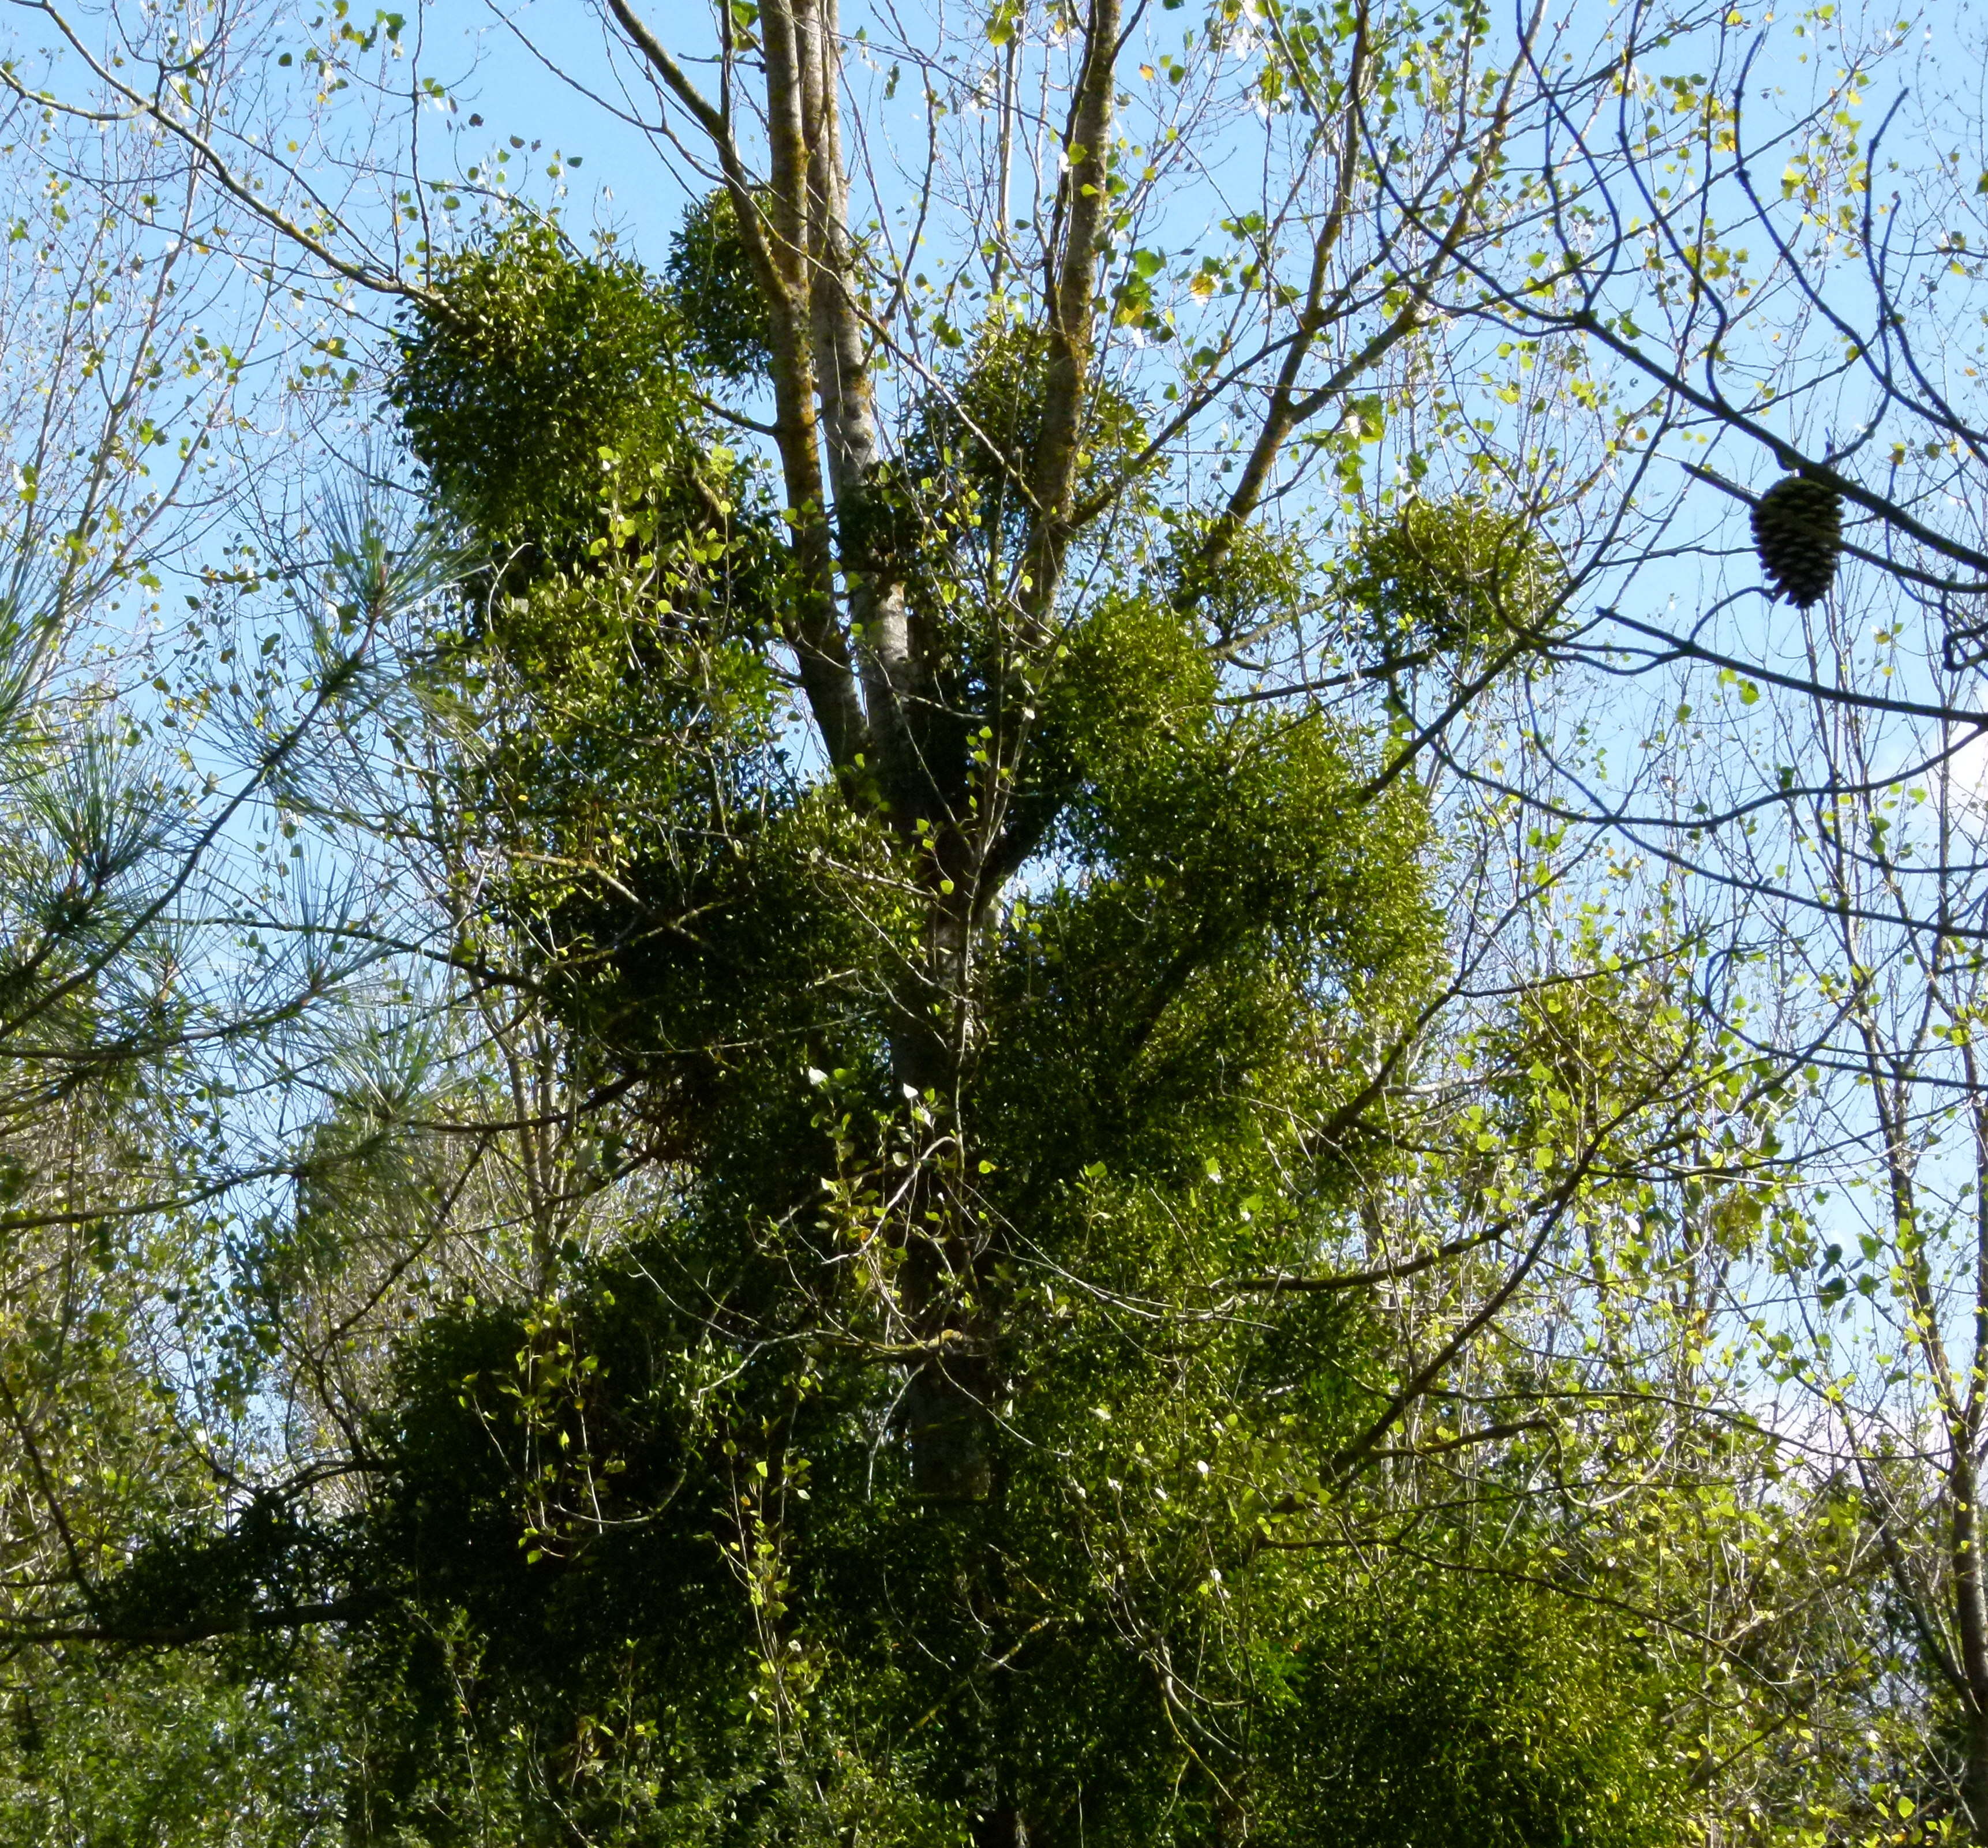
(1798, 532)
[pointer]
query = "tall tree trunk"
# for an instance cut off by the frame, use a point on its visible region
(797, 235)
(1971, 1623)
(1964, 1487)
(1070, 296)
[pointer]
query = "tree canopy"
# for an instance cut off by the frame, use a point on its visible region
(1093, 960)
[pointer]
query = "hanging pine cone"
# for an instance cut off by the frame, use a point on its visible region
(1798, 532)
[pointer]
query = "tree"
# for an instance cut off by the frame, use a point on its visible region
(138, 1013)
(983, 1051)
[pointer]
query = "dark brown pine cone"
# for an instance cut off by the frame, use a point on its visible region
(1798, 532)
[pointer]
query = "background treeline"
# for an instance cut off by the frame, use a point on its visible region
(1055, 973)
